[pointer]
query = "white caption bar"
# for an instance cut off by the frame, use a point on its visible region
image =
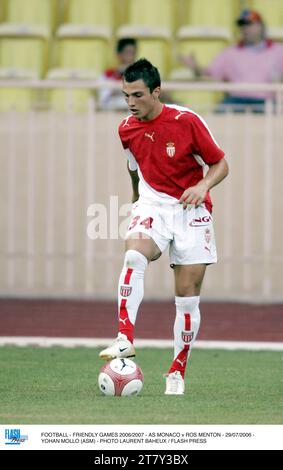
(141, 437)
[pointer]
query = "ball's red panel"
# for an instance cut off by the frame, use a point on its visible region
(120, 380)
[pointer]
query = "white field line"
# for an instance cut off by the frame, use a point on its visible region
(47, 342)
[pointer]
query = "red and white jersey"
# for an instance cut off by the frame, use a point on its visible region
(170, 152)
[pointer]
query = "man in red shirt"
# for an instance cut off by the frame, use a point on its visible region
(168, 148)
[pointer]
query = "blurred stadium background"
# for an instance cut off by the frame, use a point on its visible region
(60, 155)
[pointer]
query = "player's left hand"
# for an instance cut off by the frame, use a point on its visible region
(194, 195)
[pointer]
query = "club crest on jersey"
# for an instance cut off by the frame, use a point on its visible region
(187, 336)
(170, 149)
(125, 291)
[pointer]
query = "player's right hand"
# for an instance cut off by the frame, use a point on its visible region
(194, 195)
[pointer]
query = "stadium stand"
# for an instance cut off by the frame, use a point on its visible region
(163, 14)
(2, 10)
(34, 13)
(204, 43)
(80, 53)
(25, 35)
(82, 48)
(272, 12)
(207, 28)
(23, 51)
(217, 13)
(153, 43)
(63, 39)
(18, 99)
(153, 28)
(90, 12)
(23, 55)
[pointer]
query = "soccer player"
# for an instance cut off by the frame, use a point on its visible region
(167, 148)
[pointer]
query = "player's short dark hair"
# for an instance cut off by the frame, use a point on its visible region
(142, 69)
(124, 42)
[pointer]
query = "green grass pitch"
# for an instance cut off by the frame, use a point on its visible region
(59, 386)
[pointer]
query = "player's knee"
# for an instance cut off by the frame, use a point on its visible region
(188, 288)
(135, 260)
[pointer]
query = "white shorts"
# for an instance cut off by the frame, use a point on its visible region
(188, 232)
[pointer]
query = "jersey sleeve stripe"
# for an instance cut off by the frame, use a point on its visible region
(131, 159)
(183, 108)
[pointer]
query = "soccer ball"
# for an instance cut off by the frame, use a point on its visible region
(120, 377)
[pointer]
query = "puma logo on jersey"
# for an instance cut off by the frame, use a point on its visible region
(150, 136)
(179, 115)
(208, 249)
(126, 122)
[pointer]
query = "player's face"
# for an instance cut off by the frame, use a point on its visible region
(252, 33)
(140, 100)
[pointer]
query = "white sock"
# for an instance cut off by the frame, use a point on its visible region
(186, 327)
(130, 291)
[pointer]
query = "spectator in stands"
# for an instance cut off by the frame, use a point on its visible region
(126, 50)
(255, 59)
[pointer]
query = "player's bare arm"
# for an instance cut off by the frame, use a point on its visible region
(196, 194)
(135, 183)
